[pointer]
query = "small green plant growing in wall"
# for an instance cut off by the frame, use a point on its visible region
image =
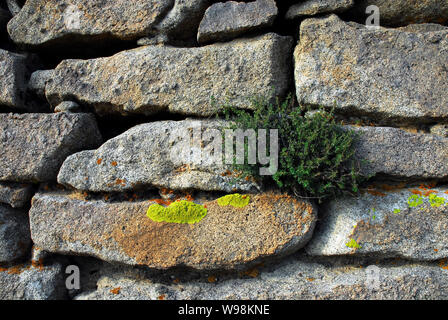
(316, 155)
(177, 212)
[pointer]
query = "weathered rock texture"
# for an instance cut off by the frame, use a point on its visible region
(12, 79)
(14, 234)
(227, 20)
(180, 80)
(398, 153)
(314, 7)
(154, 155)
(398, 75)
(295, 280)
(34, 146)
(404, 12)
(32, 282)
(15, 194)
(270, 226)
(50, 23)
(385, 224)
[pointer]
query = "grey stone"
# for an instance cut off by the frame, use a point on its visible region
(294, 280)
(269, 227)
(377, 73)
(34, 146)
(398, 153)
(440, 130)
(403, 12)
(228, 20)
(68, 106)
(180, 80)
(13, 6)
(39, 80)
(43, 24)
(12, 79)
(154, 155)
(182, 22)
(386, 225)
(15, 194)
(31, 282)
(15, 236)
(315, 7)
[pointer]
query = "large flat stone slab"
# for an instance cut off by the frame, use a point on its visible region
(403, 12)
(153, 155)
(15, 239)
(270, 226)
(401, 154)
(390, 75)
(43, 24)
(34, 146)
(295, 280)
(227, 20)
(15, 194)
(152, 79)
(32, 282)
(408, 223)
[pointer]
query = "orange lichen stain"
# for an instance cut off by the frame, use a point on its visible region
(310, 279)
(166, 191)
(415, 191)
(99, 161)
(161, 297)
(16, 269)
(106, 197)
(376, 193)
(176, 281)
(436, 250)
(189, 197)
(162, 202)
(391, 188)
(121, 182)
(212, 279)
(114, 163)
(115, 290)
(443, 264)
(38, 264)
(46, 188)
(428, 193)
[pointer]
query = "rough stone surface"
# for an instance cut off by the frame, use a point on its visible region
(182, 22)
(16, 195)
(68, 106)
(180, 80)
(227, 20)
(398, 153)
(13, 6)
(384, 224)
(34, 146)
(404, 12)
(271, 226)
(294, 280)
(153, 155)
(14, 234)
(48, 23)
(314, 7)
(39, 80)
(32, 282)
(373, 72)
(12, 79)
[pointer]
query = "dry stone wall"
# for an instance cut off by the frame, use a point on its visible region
(93, 92)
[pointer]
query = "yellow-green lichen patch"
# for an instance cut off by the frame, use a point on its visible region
(397, 211)
(353, 244)
(235, 200)
(436, 201)
(177, 212)
(414, 201)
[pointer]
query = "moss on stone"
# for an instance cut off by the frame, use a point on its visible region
(177, 212)
(353, 244)
(436, 201)
(235, 200)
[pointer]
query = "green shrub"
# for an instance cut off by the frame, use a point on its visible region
(315, 152)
